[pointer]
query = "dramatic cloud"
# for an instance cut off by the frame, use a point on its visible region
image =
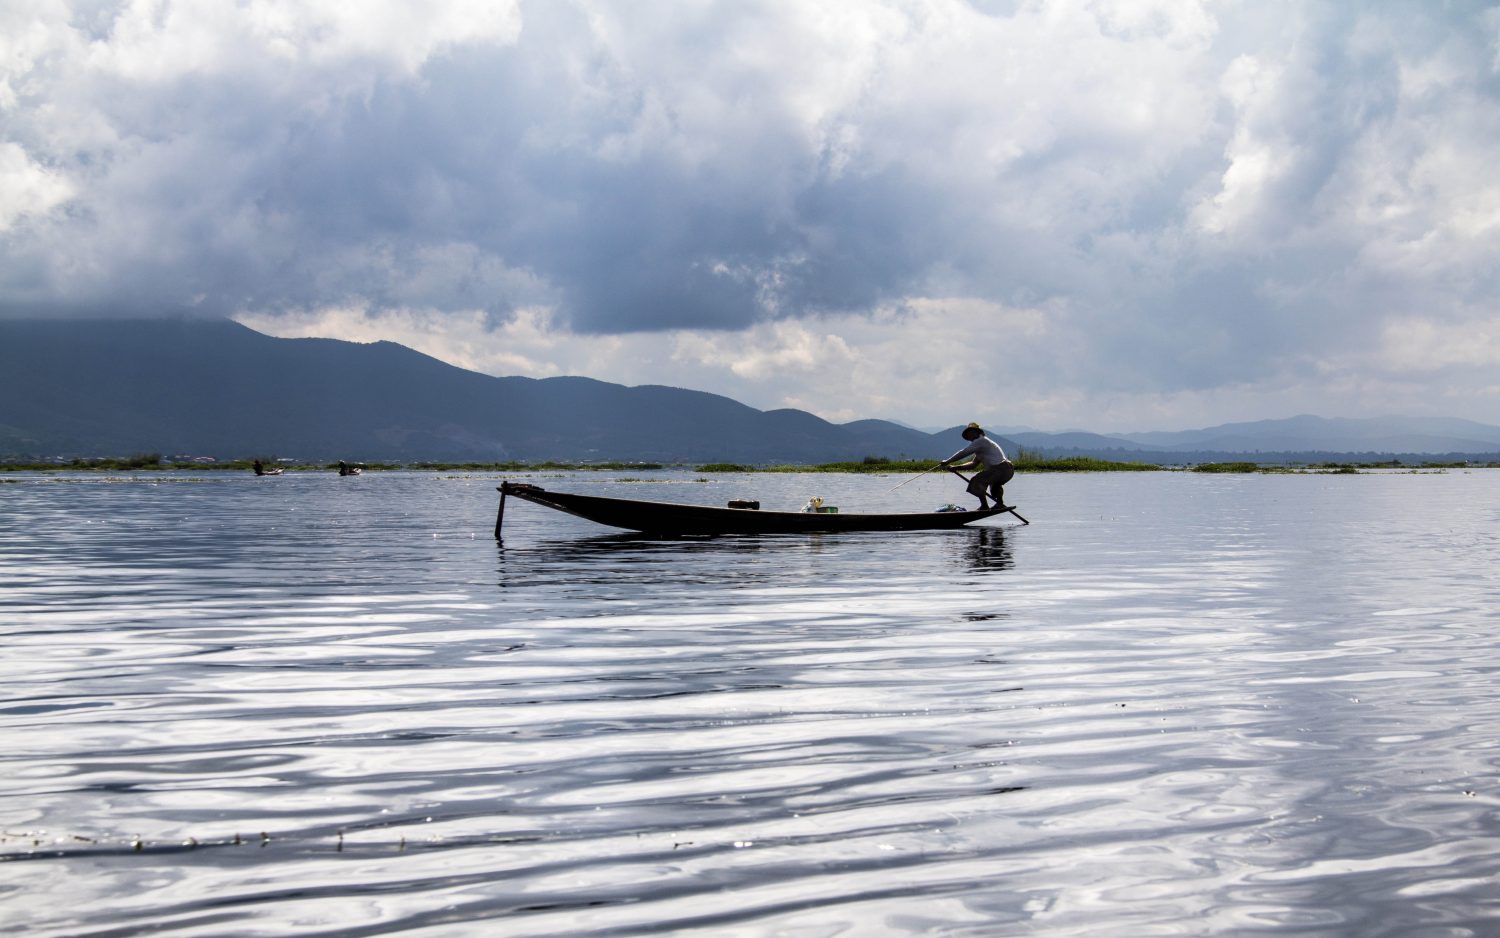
(1116, 213)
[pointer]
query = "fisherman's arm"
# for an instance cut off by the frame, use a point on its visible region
(966, 451)
(971, 464)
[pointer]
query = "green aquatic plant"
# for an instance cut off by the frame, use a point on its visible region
(137, 461)
(1030, 462)
(543, 466)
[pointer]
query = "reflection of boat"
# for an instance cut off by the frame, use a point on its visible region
(669, 518)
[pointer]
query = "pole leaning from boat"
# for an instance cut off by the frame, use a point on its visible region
(913, 478)
(500, 515)
(1012, 510)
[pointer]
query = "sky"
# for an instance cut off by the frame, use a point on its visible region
(1117, 215)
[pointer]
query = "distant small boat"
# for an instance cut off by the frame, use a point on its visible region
(673, 519)
(261, 470)
(347, 470)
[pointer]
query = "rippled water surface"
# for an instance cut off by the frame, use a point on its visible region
(1174, 704)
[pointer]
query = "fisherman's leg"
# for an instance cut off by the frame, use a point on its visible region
(1003, 473)
(977, 487)
(993, 488)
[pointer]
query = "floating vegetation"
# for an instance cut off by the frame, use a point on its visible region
(1236, 467)
(95, 480)
(630, 480)
(42, 844)
(545, 466)
(1028, 462)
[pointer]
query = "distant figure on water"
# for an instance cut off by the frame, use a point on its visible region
(997, 469)
(259, 468)
(347, 470)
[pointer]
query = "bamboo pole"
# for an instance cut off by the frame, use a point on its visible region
(912, 479)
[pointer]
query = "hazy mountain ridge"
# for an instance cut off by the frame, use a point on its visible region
(217, 388)
(1079, 440)
(1393, 434)
(221, 389)
(1303, 439)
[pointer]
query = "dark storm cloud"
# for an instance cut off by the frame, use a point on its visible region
(489, 150)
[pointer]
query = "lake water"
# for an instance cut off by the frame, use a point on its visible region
(1174, 704)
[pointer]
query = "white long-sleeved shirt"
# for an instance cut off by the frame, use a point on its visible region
(985, 449)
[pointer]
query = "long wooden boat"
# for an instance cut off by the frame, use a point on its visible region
(672, 519)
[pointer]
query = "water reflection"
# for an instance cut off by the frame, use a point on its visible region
(980, 547)
(622, 562)
(987, 549)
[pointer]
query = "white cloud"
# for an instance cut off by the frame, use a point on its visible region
(159, 41)
(524, 345)
(1421, 345)
(1255, 159)
(27, 189)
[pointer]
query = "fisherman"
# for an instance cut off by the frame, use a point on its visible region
(997, 467)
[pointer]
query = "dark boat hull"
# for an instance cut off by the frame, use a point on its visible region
(673, 519)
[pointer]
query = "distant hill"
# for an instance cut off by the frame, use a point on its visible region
(220, 389)
(1306, 432)
(1303, 438)
(1079, 440)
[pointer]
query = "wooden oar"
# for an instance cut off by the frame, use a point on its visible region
(966, 478)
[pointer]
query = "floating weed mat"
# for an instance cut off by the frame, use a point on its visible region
(633, 481)
(17, 846)
(487, 476)
(117, 480)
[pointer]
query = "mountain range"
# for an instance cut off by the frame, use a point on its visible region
(1295, 434)
(216, 388)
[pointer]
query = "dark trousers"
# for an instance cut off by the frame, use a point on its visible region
(992, 479)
